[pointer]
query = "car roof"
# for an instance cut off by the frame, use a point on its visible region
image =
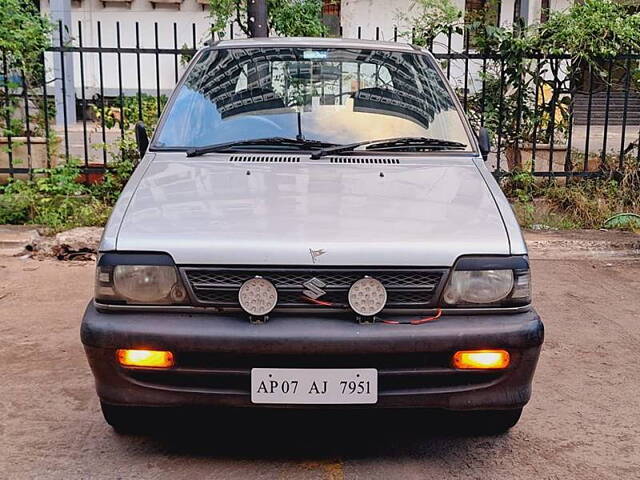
(315, 42)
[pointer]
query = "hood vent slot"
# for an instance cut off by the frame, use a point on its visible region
(365, 160)
(264, 159)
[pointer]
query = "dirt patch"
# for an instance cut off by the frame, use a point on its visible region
(76, 244)
(582, 244)
(582, 422)
(613, 237)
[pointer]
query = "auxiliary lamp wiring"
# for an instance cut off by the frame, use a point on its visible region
(320, 302)
(418, 321)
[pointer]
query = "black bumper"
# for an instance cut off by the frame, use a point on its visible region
(215, 354)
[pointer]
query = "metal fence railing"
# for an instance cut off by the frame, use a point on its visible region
(549, 124)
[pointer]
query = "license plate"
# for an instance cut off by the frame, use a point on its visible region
(314, 386)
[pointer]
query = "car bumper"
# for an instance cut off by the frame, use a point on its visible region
(215, 353)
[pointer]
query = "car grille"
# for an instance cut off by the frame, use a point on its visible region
(406, 288)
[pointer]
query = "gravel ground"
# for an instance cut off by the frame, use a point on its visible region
(583, 421)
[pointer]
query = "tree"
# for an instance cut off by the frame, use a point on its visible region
(24, 35)
(257, 19)
(430, 18)
(290, 18)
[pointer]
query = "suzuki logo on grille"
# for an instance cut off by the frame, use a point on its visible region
(314, 288)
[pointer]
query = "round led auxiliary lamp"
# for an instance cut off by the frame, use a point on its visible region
(367, 297)
(258, 297)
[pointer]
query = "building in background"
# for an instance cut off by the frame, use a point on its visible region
(176, 24)
(339, 15)
(384, 14)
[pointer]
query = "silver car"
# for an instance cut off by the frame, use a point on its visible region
(312, 226)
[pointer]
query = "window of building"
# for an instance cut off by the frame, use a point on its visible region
(480, 12)
(331, 16)
(544, 10)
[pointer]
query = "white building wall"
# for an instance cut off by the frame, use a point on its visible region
(535, 7)
(90, 12)
(366, 14)
(370, 14)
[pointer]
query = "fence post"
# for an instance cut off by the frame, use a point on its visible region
(7, 110)
(64, 90)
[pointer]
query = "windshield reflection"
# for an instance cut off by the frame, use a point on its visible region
(333, 95)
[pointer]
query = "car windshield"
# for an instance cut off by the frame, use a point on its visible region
(331, 95)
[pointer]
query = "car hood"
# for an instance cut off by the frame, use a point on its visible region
(262, 210)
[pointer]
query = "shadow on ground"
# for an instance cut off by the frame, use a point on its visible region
(311, 435)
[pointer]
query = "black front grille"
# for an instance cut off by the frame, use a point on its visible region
(398, 373)
(390, 382)
(406, 288)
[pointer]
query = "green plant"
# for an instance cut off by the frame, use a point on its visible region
(14, 208)
(430, 18)
(528, 82)
(300, 18)
(124, 158)
(24, 35)
(286, 17)
(481, 21)
(126, 112)
(585, 203)
(520, 185)
(526, 93)
(57, 199)
(186, 55)
(591, 30)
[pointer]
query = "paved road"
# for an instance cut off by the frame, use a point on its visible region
(583, 421)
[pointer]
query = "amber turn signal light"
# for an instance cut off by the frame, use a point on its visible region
(487, 359)
(145, 358)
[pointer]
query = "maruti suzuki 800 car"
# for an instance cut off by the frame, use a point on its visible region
(312, 226)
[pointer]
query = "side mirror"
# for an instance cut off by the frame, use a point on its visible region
(484, 143)
(142, 139)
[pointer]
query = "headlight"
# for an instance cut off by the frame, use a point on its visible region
(503, 281)
(138, 284)
(484, 286)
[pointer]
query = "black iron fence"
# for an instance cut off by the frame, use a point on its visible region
(555, 118)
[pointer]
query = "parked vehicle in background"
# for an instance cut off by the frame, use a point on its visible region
(313, 226)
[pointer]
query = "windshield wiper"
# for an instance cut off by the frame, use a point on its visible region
(392, 144)
(275, 141)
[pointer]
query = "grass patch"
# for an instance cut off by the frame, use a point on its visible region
(575, 203)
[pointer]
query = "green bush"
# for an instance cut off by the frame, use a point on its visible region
(57, 199)
(15, 209)
(24, 35)
(127, 112)
(574, 203)
(289, 18)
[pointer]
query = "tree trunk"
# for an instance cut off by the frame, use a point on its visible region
(257, 18)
